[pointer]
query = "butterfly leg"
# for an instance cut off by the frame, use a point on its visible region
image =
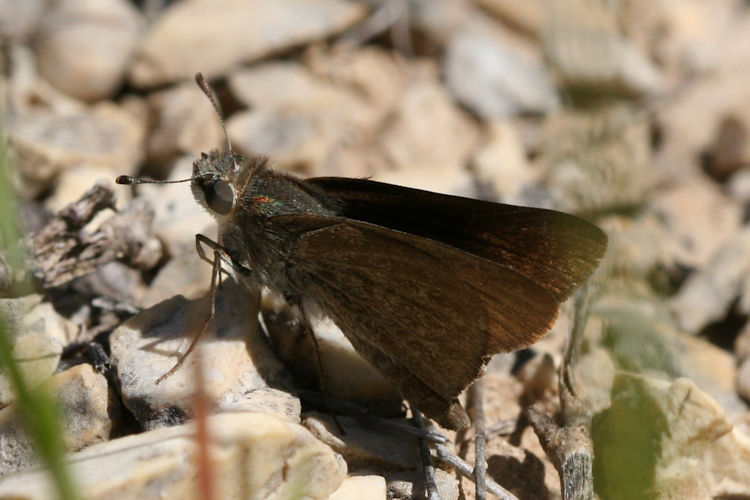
(321, 372)
(220, 255)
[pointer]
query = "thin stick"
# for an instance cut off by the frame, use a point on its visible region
(211, 314)
(467, 471)
(357, 412)
(428, 469)
(476, 411)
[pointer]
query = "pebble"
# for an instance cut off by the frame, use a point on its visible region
(83, 47)
(237, 361)
(47, 142)
(668, 440)
(38, 334)
(223, 34)
(362, 488)
(365, 447)
(253, 455)
(20, 18)
(429, 135)
(86, 407)
(584, 47)
(348, 377)
(185, 124)
(495, 73)
(178, 217)
(699, 219)
(708, 294)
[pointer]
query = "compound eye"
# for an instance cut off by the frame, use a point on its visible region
(219, 197)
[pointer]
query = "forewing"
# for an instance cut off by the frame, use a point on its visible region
(557, 250)
(426, 315)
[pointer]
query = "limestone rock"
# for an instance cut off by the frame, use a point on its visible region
(253, 456)
(236, 360)
(223, 34)
(86, 407)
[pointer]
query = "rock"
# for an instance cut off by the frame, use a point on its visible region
(730, 150)
(695, 36)
(428, 133)
(410, 485)
(688, 125)
(237, 361)
(184, 274)
(47, 142)
(373, 73)
(739, 186)
(529, 17)
(639, 340)
(185, 123)
(296, 118)
(20, 18)
(598, 160)
(253, 455)
(699, 219)
(583, 44)
(366, 447)
(501, 164)
(224, 34)
(667, 440)
(178, 216)
(347, 376)
(37, 334)
(495, 73)
(361, 487)
(85, 406)
(74, 181)
(708, 294)
(69, 60)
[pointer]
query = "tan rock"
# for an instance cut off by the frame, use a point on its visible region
(253, 456)
(236, 360)
(669, 439)
(178, 217)
(185, 123)
(529, 16)
(502, 164)
(347, 376)
(597, 160)
(584, 46)
(361, 488)
(365, 447)
(47, 142)
(296, 118)
(86, 406)
(38, 334)
(222, 34)
(495, 72)
(428, 137)
(708, 294)
(69, 60)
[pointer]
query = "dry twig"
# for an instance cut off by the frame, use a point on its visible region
(63, 250)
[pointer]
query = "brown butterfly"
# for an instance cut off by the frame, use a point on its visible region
(427, 287)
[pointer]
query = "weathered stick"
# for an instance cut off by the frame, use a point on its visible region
(63, 250)
(568, 443)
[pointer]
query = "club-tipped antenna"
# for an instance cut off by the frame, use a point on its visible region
(126, 179)
(203, 84)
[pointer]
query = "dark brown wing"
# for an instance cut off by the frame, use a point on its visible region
(557, 250)
(426, 315)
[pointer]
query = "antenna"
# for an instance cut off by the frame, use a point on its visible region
(203, 84)
(126, 179)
